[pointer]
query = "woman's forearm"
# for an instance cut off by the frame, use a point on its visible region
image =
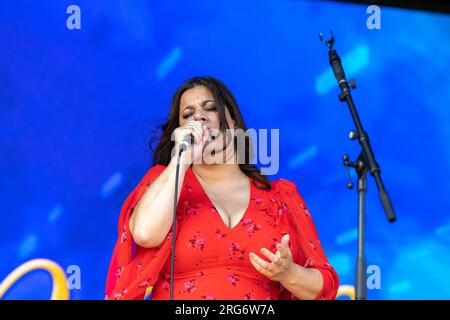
(304, 283)
(152, 217)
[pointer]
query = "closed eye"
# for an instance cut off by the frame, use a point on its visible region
(211, 107)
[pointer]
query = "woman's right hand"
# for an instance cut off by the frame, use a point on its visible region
(194, 153)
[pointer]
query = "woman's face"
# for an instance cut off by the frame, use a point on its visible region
(198, 104)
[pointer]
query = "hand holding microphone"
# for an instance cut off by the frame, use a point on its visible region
(192, 138)
(188, 140)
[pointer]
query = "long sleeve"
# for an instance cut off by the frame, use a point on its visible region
(307, 249)
(132, 269)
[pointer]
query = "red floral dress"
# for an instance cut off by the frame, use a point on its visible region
(211, 260)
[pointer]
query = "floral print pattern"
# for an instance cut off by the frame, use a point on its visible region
(211, 259)
(197, 241)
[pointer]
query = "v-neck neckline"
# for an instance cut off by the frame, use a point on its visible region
(197, 181)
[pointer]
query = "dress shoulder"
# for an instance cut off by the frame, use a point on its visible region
(284, 187)
(284, 183)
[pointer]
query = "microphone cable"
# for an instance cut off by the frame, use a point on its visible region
(175, 200)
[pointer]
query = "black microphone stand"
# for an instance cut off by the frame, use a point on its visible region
(174, 219)
(183, 147)
(364, 163)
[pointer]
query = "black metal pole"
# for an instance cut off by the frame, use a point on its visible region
(361, 265)
(365, 163)
(174, 225)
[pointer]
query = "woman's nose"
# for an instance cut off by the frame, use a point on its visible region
(198, 116)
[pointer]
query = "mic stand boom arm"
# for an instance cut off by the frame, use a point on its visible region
(365, 163)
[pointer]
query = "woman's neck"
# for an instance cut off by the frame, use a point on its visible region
(217, 172)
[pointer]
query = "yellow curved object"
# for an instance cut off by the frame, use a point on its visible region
(346, 290)
(59, 289)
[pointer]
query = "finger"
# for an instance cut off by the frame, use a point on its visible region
(201, 127)
(205, 133)
(285, 241)
(283, 247)
(196, 132)
(193, 124)
(198, 135)
(261, 262)
(189, 127)
(257, 266)
(274, 258)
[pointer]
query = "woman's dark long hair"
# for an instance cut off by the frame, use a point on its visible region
(223, 99)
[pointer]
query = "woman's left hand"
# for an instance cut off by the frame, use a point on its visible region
(281, 267)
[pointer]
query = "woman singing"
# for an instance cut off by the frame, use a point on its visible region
(238, 234)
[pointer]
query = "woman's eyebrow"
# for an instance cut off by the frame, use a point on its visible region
(206, 101)
(201, 103)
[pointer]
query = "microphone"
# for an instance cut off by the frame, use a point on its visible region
(189, 139)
